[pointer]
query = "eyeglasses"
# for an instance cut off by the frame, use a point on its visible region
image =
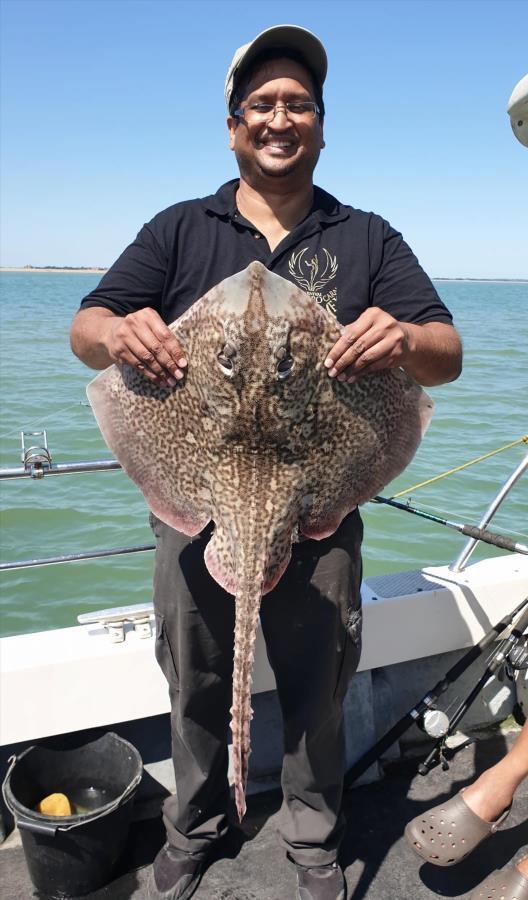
(296, 110)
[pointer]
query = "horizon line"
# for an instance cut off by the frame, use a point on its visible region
(103, 269)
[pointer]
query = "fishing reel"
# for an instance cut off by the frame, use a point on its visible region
(434, 722)
(516, 660)
(437, 725)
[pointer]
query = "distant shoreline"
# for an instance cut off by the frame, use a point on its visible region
(87, 270)
(482, 280)
(83, 270)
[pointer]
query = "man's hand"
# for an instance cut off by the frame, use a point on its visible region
(373, 342)
(431, 353)
(142, 340)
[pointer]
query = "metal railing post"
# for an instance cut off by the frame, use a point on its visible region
(464, 555)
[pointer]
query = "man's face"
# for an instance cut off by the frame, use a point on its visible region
(280, 148)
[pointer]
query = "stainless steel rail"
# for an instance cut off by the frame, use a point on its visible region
(73, 557)
(464, 555)
(40, 470)
(39, 464)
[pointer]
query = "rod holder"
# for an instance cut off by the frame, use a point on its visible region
(36, 458)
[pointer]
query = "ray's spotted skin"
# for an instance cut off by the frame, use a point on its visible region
(258, 438)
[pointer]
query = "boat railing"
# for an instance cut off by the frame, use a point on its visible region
(461, 560)
(37, 463)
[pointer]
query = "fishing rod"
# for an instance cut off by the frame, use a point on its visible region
(425, 714)
(73, 557)
(473, 531)
(489, 537)
(502, 655)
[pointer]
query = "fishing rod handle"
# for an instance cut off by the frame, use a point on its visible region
(372, 755)
(489, 537)
(474, 652)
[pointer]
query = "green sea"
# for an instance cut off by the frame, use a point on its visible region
(43, 386)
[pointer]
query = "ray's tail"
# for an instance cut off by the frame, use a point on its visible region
(248, 599)
(256, 541)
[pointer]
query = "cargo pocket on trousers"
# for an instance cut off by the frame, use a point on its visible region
(354, 624)
(164, 654)
(351, 650)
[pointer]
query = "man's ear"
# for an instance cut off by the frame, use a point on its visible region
(231, 126)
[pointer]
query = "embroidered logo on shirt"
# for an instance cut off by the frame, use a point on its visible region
(312, 276)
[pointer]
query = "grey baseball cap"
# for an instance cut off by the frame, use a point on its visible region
(291, 37)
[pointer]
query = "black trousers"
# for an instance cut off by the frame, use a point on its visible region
(312, 627)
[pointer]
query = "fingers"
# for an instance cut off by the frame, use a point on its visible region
(379, 356)
(348, 351)
(375, 341)
(144, 341)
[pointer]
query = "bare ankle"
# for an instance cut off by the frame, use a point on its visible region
(522, 865)
(490, 795)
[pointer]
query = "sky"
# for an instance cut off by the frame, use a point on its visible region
(112, 110)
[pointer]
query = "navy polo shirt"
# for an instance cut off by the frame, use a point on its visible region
(346, 259)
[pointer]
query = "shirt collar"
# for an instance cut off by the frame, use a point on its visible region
(223, 202)
(325, 208)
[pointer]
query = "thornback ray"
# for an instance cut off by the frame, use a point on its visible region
(260, 440)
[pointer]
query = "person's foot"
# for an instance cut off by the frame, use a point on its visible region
(488, 796)
(320, 882)
(175, 875)
(510, 883)
(447, 833)
(523, 866)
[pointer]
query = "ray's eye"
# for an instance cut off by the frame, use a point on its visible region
(225, 363)
(284, 367)
(225, 359)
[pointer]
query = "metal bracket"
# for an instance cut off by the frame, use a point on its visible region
(114, 620)
(142, 626)
(116, 631)
(37, 458)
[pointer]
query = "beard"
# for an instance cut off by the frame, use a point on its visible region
(283, 172)
(253, 169)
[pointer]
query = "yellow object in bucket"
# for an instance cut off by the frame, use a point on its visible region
(55, 805)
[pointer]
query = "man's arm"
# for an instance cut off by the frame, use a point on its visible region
(431, 353)
(140, 339)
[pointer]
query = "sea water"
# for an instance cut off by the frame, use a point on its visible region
(43, 386)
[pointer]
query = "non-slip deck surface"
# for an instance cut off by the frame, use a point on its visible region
(251, 865)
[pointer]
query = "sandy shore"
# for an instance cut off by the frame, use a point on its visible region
(96, 271)
(52, 271)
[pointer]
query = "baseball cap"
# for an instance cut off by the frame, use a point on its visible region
(291, 37)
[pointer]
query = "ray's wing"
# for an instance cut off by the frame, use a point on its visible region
(160, 436)
(368, 432)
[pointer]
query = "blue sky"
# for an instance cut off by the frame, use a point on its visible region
(113, 110)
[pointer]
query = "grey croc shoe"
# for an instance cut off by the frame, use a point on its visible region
(174, 875)
(447, 833)
(320, 882)
(507, 883)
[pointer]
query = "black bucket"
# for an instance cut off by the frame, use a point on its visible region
(68, 856)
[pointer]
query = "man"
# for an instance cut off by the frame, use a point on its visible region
(359, 268)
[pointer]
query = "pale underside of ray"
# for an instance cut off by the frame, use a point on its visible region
(258, 439)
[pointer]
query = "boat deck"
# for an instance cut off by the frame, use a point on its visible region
(251, 865)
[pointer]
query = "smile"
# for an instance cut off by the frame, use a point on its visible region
(277, 145)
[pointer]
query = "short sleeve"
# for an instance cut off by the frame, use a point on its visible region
(399, 285)
(135, 280)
